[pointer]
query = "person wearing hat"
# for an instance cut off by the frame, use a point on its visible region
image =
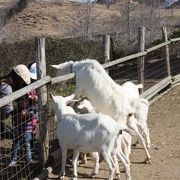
(25, 122)
(33, 98)
(18, 78)
(33, 71)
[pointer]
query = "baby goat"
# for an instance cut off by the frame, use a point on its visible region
(86, 106)
(92, 132)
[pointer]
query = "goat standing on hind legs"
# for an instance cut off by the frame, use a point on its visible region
(105, 95)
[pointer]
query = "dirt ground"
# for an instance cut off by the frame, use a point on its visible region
(164, 125)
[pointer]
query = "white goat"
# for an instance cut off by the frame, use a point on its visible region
(92, 132)
(106, 96)
(141, 105)
(86, 105)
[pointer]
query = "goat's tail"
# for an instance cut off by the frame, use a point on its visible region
(145, 101)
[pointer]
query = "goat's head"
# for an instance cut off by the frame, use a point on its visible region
(63, 68)
(86, 104)
(61, 102)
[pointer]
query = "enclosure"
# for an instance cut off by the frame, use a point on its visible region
(157, 67)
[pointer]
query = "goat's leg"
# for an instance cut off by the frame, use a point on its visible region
(74, 163)
(126, 144)
(63, 160)
(110, 163)
(126, 163)
(145, 130)
(116, 167)
(132, 125)
(84, 158)
(147, 136)
(95, 156)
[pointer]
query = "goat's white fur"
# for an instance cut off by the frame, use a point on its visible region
(126, 137)
(106, 96)
(92, 132)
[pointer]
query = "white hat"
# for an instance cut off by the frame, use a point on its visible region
(22, 71)
(33, 71)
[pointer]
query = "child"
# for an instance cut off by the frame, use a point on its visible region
(25, 120)
(23, 130)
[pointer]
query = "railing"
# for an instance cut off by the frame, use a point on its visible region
(157, 65)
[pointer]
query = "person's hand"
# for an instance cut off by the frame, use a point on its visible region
(24, 115)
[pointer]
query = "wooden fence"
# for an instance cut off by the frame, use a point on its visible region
(142, 62)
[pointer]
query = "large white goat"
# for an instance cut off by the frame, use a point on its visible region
(106, 96)
(92, 132)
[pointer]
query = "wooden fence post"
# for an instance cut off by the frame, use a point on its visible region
(141, 42)
(106, 48)
(165, 39)
(42, 95)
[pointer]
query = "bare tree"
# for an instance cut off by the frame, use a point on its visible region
(134, 15)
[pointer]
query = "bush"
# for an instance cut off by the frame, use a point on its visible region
(175, 34)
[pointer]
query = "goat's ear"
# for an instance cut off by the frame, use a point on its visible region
(80, 106)
(56, 66)
(69, 98)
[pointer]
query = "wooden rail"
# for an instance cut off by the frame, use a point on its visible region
(17, 94)
(47, 79)
(149, 93)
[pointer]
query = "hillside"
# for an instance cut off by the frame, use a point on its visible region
(54, 19)
(66, 19)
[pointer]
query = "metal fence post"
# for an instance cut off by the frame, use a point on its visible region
(141, 42)
(165, 39)
(42, 95)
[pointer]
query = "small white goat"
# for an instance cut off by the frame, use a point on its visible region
(86, 106)
(106, 96)
(92, 132)
(141, 105)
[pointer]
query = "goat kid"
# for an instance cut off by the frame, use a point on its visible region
(86, 106)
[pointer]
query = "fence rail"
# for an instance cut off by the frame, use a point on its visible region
(47, 79)
(154, 70)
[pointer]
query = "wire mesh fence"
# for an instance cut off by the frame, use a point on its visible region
(155, 67)
(20, 139)
(127, 71)
(175, 58)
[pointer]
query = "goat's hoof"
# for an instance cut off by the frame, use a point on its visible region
(117, 176)
(93, 175)
(148, 161)
(84, 162)
(74, 177)
(135, 144)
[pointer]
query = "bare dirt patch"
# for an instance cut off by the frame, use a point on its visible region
(164, 124)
